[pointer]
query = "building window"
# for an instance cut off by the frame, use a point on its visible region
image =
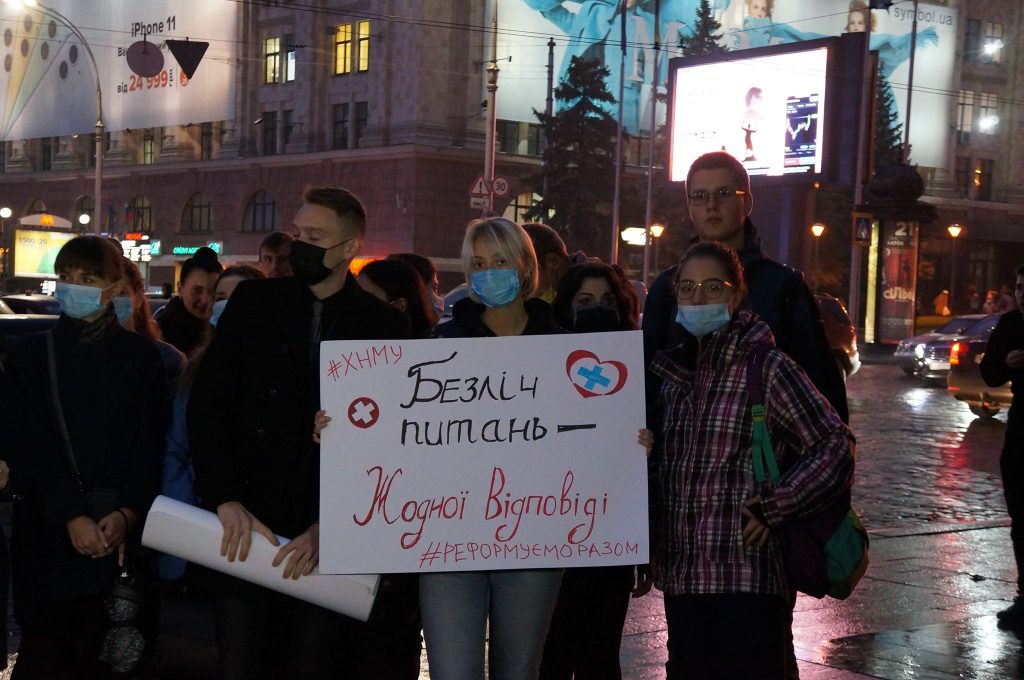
(260, 213)
(520, 205)
(36, 207)
(289, 58)
(269, 133)
(972, 41)
(198, 215)
(363, 46)
(83, 206)
(340, 118)
(507, 132)
(992, 46)
(965, 111)
(148, 147)
(362, 113)
(983, 179)
(962, 176)
(534, 139)
(138, 214)
(206, 141)
(342, 49)
(988, 112)
(45, 153)
(289, 125)
(272, 60)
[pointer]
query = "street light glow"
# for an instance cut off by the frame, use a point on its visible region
(993, 46)
(5, 212)
(954, 230)
(988, 122)
(657, 230)
(84, 219)
(817, 229)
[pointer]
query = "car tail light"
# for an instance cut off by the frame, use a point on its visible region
(954, 354)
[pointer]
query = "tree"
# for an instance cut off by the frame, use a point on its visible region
(579, 160)
(888, 129)
(705, 34)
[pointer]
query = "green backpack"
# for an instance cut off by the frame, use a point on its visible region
(827, 553)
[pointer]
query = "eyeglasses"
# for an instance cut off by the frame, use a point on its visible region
(723, 195)
(713, 289)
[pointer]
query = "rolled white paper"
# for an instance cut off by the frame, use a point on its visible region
(194, 534)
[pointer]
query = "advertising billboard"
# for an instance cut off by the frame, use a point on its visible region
(593, 29)
(48, 86)
(36, 251)
(769, 112)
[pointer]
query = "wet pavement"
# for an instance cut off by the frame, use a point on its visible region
(928, 490)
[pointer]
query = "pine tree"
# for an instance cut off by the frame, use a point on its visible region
(888, 129)
(579, 160)
(705, 34)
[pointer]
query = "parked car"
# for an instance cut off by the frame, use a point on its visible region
(32, 303)
(842, 336)
(935, 359)
(909, 353)
(964, 381)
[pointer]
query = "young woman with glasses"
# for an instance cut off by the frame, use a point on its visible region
(713, 553)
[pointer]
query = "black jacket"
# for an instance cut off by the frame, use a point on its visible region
(250, 412)
(1007, 336)
(467, 321)
(777, 293)
(116, 404)
(180, 327)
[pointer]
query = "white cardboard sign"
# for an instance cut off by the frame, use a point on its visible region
(483, 454)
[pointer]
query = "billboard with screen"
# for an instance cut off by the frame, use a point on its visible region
(48, 86)
(36, 251)
(593, 29)
(768, 111)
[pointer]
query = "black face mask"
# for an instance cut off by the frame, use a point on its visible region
(307, 261)
(596, 318)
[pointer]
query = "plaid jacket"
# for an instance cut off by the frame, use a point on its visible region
(702, 470)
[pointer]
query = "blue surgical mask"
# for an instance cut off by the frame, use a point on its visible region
(79, 302)
(218, 309)
(437, 302)
(123, 308)
(700, 320)
(495, 287)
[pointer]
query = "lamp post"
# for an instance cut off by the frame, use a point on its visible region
(954, 231)
(44, 10)
(656, 231)
(817, 229)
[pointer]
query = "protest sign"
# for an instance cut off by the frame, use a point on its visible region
(483, 454)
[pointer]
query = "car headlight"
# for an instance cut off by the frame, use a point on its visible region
(919, 351)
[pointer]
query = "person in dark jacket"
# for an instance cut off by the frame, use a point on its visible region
(501, 271)
(81, 499)
(1004, 362)
(720, 200)
(185, 320)
(586, 629)
(250, 426)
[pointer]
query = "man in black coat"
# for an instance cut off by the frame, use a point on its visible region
(1003, 362)
(720, 201)
(250, 420)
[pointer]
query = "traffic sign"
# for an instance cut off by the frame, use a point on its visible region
(500, 186)
(478, 202)
(862, 228)
(479, 187)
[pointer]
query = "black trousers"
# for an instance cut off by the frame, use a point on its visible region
(728, 636)
(267, 635)
(586, 630)
(62, 641)
(1011, 467)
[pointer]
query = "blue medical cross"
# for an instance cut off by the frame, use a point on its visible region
(593, 377)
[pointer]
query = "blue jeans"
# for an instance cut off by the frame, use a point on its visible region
(455, 608)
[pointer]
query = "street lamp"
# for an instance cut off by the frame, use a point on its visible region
(817, 229)
(656, 231)
(44, 10)
(83, 219)
(954, 231)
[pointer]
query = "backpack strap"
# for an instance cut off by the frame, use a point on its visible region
(763, 453)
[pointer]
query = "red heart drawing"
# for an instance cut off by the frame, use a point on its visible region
(592, 377)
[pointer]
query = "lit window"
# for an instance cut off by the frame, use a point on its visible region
(343, 49)
(992, 45)
(965, 111)
(988, 112)
(363, 45)
(289, 58)
(148, 147)
(272, 60)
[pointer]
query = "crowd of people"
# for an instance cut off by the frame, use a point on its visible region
(224, 399)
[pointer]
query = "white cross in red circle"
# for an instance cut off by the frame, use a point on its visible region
(363, 412)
